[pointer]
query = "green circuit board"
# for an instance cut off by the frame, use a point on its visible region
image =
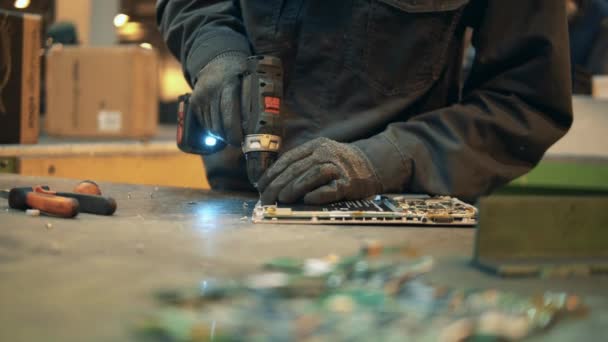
(385, 209)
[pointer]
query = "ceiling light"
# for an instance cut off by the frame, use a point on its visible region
(121, 19)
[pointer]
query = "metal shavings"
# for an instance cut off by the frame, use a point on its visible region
(32, 212)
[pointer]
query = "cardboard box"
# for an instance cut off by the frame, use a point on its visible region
(599, 86)
(102, 91)
(20, 46)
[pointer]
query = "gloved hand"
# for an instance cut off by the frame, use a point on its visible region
(320, 171)
(217, 96)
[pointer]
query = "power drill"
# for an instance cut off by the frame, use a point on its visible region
(262, 92)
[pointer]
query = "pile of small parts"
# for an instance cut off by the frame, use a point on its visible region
(377, 295)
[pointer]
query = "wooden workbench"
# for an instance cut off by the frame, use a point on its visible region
(91, 278)
(150, 162)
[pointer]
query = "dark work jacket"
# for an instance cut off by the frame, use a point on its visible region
(385, 75)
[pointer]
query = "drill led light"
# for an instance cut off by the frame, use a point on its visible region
(121, 19)
(210, 141)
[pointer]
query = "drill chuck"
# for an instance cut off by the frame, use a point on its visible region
(261, 142)
(261, 151)
(257, 163)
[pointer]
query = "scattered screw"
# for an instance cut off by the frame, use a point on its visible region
(32, 212)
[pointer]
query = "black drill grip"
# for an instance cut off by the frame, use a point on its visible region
(262, 96)
(92, 204)
(191, 134)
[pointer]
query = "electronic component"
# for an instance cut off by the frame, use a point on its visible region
(385, 209)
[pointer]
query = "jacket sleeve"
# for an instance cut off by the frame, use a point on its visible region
(196, 31)
(516, 104)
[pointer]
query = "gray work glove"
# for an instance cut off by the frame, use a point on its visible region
(320, 171)
(217, 96)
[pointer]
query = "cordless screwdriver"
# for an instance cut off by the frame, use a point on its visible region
(261, 95)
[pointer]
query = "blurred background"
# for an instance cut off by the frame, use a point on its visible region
(110, 22)
(106, 88)
(108, 95)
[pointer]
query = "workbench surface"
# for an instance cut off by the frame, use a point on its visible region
(91, 278)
